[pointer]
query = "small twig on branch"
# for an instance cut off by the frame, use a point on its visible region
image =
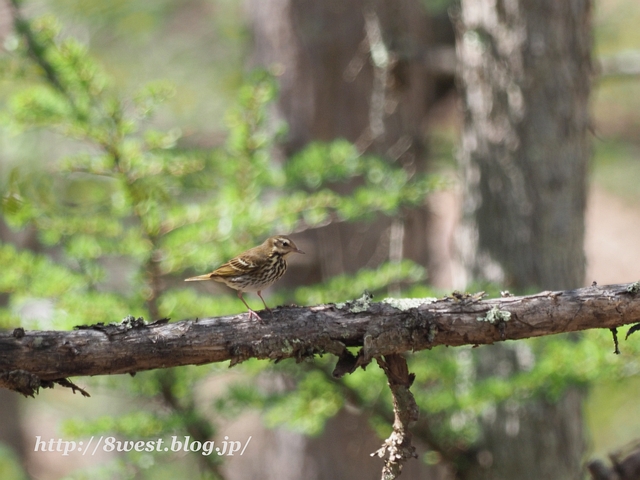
(28, 384)
(397, 449)
(633, 329)
(616, 349)
(393, 326)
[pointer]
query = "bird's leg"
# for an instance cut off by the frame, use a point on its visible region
(265, 303)
(251, 312)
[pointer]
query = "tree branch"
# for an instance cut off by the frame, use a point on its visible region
(397, 449)
(385, 328)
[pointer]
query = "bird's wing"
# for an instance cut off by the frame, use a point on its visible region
(240, 265)
(243, 264)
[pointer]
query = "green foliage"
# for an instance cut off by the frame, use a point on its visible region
(139, 424)
(306, 409)
(305, 399)
(28, 272)
(132, 192)
(385, 188)
(115, 189)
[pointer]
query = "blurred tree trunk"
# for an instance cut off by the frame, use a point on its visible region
(333, 85)
(524, 73)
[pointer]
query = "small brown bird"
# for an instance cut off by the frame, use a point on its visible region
(255, 269)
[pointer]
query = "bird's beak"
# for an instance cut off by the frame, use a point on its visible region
(297, 250)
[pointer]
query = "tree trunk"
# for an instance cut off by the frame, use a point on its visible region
(524, 72)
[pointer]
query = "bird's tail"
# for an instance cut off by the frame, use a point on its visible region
(199, 278)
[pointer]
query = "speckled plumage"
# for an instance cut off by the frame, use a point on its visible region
(255, 269)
